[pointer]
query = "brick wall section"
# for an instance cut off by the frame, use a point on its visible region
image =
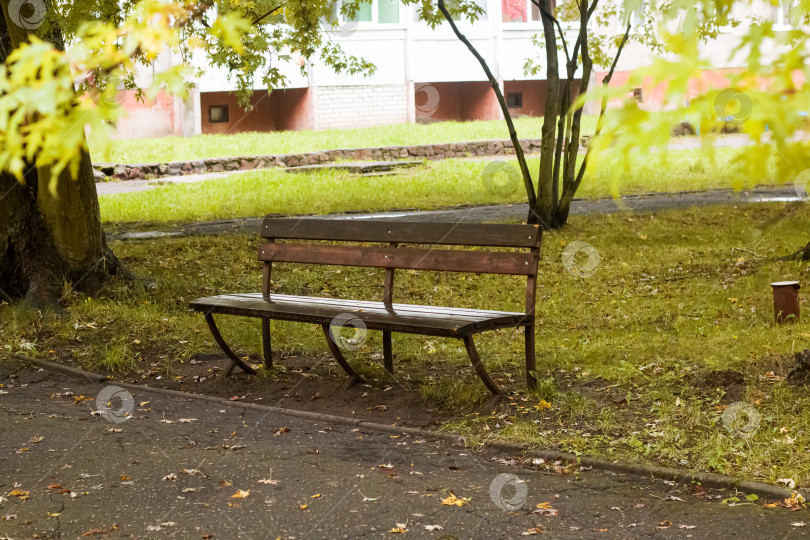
(342, 107)
(388, 153)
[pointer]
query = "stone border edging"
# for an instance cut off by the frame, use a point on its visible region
(436, 151)
(710, 480)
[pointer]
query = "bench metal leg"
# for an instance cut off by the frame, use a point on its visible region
(388, 352)
(479, 367)
(531, 380)
(354, 378)
(209, 318)
(266, 344)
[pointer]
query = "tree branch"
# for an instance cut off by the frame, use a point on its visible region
(605, 82)
(524, 169)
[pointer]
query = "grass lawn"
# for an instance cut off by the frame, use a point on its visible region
(286, 142)
(437, 184)
(638, 362)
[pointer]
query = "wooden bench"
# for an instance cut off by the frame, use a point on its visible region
(387, 316)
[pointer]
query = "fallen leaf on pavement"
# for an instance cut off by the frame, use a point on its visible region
(434, 527)
(799, 524)
(401, 528)
(280, 431)
(170, 476)
(241, 494)
(302, 506)
(19, 493)
(316, 496)
(187, 420)
(452, 500)
(531, 532)
(268, 481)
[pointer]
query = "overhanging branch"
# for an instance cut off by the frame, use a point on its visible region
(524, 169)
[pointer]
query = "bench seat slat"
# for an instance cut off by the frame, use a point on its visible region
(404, 308)
(404, 232)
(400, 318)
(485, 262)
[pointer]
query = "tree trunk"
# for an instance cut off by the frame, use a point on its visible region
(48, 241)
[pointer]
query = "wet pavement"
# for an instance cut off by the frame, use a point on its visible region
(156, 466)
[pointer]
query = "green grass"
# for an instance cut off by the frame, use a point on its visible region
(286, 142)
(627, 358)
(437, 184)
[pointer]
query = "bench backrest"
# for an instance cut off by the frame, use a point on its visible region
(394, 256)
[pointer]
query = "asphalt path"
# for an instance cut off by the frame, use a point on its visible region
(139, 464)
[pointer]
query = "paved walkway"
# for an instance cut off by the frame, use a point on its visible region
(482, 214)
(183, 468)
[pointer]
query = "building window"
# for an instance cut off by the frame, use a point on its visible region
(378, 11)
(522, 10)
(218, 114)
(450, 4)
(782, 14)
(514, 100)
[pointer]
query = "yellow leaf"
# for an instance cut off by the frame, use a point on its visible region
(452, 500)
(316, 496)
(302, 506)
(241, 494)
(19, 493)
(544, 505)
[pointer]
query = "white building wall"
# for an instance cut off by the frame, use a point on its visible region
(361, 106)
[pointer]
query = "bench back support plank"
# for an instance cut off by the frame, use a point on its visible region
(405, 232)
(485, 262)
